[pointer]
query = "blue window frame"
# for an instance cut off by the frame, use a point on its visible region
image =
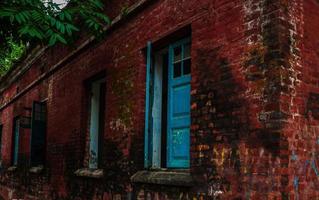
(167, 111)
(96, 120)
(15, 141)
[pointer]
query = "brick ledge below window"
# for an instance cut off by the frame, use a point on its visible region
(91, 173)
(36, 169)
(12, 169)
(171, 178)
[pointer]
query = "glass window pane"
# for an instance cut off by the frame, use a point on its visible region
(37, 108)
(37, 116)
(177, 69)
(187, 50)
(177, 54)
(187, 66)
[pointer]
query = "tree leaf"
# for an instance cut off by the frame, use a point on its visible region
(52, 40)
(61, 39)
(67, 15)
(61, 16)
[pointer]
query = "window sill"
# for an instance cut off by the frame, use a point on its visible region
(90, 173)
(171, 178)
(36, 170)
(12, 169)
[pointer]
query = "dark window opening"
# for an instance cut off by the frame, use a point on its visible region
(38, 134)
(164, 111)
(101, 123)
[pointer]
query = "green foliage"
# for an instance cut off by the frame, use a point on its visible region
(13, 53)
(36, 21)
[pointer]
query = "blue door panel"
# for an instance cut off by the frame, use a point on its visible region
(180, 101)
(180, 122)
(179, 142)
(179, 89)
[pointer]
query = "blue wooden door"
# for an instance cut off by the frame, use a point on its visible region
(16, 141)
(179, 88)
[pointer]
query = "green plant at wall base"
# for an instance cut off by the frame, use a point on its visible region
(48, 23)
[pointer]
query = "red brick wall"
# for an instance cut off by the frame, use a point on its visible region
(254, 104)
(301, 103)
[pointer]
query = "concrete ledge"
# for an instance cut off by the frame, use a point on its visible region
(91, 173)
(36, 170)
(171, 178)
(12, 169)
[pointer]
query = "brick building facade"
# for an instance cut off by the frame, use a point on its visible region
(182, 99)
